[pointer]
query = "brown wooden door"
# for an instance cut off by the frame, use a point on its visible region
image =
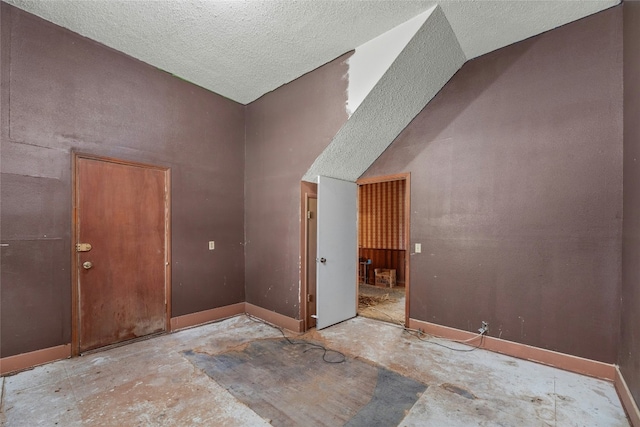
(122, 213)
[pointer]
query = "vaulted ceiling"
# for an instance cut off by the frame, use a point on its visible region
(244, 48)
(405, 50)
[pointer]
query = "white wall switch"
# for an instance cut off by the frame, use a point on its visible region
(418, 248)
(212, 245)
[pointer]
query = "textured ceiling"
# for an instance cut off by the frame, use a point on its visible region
(482, 26)
(239, 49)
(424, 66)
(243, 49)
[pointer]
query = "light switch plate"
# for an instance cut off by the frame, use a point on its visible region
(418, 248)
(212, 245)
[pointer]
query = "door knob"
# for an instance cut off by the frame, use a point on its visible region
(323, 260)
(87, 265)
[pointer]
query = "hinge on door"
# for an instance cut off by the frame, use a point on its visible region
(309, 298)
(309, 214)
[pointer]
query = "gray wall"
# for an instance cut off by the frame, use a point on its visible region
(68, 93)
(516, 176)
(286, 130)
(629, 358)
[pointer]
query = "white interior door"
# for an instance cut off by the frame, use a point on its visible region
(337, 251)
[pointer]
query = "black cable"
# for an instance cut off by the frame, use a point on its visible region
(411, 332)
(464, 350)
(342, 358)
(418, 334)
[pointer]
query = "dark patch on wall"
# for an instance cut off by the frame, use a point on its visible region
(69, 93)
(629, 356)
(516, 175)
(286, 130)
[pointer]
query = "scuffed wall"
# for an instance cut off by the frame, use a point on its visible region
(286, 130)
(516, 175)
(60, 93)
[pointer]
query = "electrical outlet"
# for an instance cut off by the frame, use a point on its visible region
(212, 245)
(484, 328)
(418, 248)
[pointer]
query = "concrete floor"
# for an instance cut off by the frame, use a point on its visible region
(151, 383)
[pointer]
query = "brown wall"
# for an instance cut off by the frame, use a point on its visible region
(629, 356)
(516, 175)
(68, 93)
(516, 183)
(286, 130)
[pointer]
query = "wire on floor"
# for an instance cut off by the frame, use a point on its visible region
(325, 351)
(418, 334)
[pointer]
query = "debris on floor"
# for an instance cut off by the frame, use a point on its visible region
(371, 300)
(386, 304)
(155, 382)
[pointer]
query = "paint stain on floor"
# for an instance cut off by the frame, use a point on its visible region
(458, 390)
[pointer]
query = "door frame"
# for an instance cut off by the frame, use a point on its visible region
(75, 283)
(406, 176)
(308, 190)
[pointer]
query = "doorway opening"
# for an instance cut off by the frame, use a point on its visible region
(383, 243)
(121, 246)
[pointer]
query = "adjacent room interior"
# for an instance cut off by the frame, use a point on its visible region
(383, 232)
(436, 204)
